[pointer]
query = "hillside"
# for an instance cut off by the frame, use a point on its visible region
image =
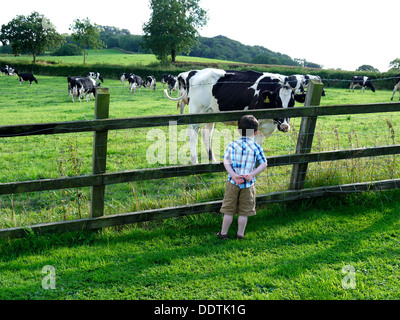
(219, 47)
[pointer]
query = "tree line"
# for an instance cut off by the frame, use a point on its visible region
(171, 30)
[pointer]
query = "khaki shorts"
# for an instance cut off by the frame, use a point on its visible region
(239, 201)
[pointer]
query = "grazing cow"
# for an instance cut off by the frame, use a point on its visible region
(396, 86)
(296, 82)
(214, 90)
(181, 85)
(151, 82)
(26, 77)
(361, 81)
(164, 79)
(79, 86)
(124, 77)
(172, 84)
(9, 71)
(135, 82)
(300, 82)
(171, 81)
(96, 76)
(309, 77)
(4, 70)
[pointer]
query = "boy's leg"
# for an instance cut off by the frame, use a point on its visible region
(226, 223)
(242, 222)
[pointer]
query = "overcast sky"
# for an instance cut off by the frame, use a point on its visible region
(336, 34)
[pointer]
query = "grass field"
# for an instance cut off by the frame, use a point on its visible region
(292, 251)
(110, 56)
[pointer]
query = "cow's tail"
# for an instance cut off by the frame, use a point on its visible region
(174, 99)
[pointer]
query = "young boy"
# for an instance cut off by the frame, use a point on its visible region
(239, 160)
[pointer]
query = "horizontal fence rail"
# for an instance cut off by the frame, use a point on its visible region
(157, 121)
(185, 170)
(99, 179)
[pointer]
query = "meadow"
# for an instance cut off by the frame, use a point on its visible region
(109, 56)
(292, 251)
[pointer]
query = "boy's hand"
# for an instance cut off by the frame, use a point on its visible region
(248, 177)
(238, 179)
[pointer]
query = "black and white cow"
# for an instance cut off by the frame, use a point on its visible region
(124, 77)
(296, 81)
(4, 70)
(151, 82)
(135, 82)
(181, 86)
(164, 79)
(214, 90)
(396, 86)
(171, 81)
(299, 82)
(96, 76)
(9, 71)
(79, 86)
(26, 77)
(362, 81)
(308, 77)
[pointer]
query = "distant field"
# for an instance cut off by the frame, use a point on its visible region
(109, 56)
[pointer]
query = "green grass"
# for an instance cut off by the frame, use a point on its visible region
(292, 251)
(109, 56)
(56, 156)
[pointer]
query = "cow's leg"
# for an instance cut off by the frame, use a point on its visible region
(394, 91)
(206, 133)
(193, 133)
(266, 129)
(259, 138)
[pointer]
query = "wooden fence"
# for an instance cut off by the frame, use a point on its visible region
(100, 179)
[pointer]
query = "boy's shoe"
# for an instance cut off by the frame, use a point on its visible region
(221, 236)
(240, 237)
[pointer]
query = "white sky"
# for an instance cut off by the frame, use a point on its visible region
(336, 34)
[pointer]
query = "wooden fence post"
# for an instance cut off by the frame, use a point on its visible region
(306, 135)
(101, 111)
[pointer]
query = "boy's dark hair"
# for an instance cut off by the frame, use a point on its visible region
(248, 125)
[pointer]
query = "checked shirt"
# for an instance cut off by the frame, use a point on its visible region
(243, 154)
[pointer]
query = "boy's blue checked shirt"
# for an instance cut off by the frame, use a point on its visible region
(243, 154)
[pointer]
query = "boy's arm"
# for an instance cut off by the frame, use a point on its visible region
(237, 178)
(257, 171)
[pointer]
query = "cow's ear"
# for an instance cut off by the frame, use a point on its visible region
(267, 96)
(300, 97)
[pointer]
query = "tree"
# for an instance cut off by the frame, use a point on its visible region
(68, 49)
(395, 63)
(367, 67)
(32, 34)
(173, 27)
(87, 35)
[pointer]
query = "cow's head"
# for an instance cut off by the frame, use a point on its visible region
(282, 97)
(370, 85)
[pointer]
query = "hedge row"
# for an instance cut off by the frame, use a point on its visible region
(331, 78)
